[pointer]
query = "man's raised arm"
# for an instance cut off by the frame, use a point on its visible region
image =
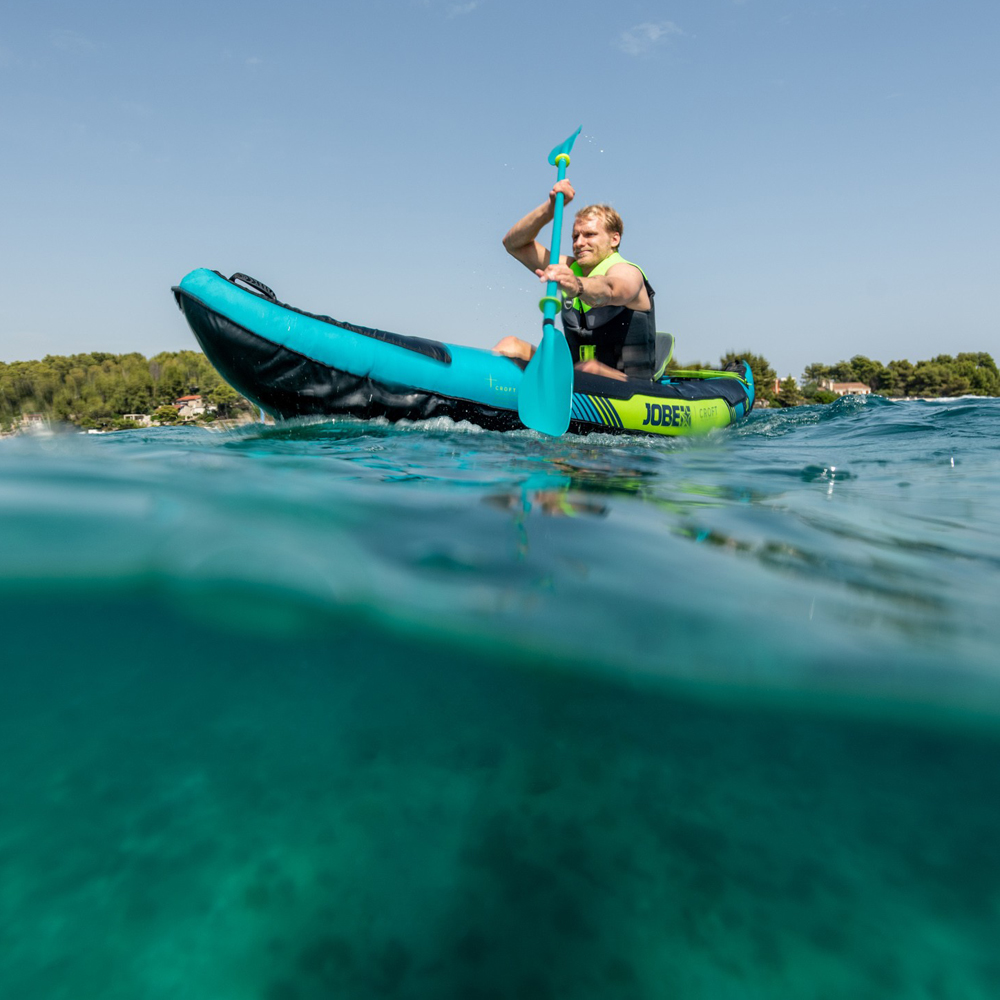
(521, 240)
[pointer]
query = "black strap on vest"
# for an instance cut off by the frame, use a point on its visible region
(619, 337)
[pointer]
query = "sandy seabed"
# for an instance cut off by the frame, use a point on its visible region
(246, 822)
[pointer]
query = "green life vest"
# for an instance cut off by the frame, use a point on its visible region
(614, 335)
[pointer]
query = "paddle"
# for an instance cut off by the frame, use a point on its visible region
(545, 396)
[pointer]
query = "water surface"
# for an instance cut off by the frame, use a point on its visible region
(347, 709)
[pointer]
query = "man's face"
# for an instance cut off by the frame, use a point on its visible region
(592, 242)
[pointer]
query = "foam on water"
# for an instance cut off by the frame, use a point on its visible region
(342, 709)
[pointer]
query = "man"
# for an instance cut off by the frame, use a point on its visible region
(607, 311)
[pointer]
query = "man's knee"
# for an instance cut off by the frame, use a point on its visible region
(514, 347)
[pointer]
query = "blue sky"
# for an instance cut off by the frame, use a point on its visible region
(807, 180)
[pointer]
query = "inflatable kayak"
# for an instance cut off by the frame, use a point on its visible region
(292, 363)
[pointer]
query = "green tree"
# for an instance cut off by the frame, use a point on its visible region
(173, 383)
(899, 375)
(789, 393)
(865, 370)
(94, 389)
(165, 415)
(981, 372)
(842, 371)
(815, 373)
(225, 399)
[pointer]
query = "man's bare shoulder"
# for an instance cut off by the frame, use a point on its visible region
(632, 284)
(629, 272)
(622, 265)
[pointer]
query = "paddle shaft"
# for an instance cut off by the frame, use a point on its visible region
(552, 288)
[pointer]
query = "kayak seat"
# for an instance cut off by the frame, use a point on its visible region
(664, 354)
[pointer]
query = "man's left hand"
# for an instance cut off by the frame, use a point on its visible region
(568, 282)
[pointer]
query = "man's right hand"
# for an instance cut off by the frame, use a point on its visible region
(566, 188)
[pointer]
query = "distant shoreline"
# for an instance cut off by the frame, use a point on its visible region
(104, 392)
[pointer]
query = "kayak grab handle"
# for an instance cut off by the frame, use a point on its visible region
(255, 285)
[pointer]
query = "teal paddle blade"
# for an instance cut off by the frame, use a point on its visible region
(545, 396)
(564, 147)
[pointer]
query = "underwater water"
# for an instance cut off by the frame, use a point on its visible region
(357, 710)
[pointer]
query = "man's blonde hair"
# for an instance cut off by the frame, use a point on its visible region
(611, 220)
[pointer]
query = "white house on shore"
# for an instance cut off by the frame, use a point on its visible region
(189, 407)
(846, 388)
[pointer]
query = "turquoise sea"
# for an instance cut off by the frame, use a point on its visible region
(336, 709)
